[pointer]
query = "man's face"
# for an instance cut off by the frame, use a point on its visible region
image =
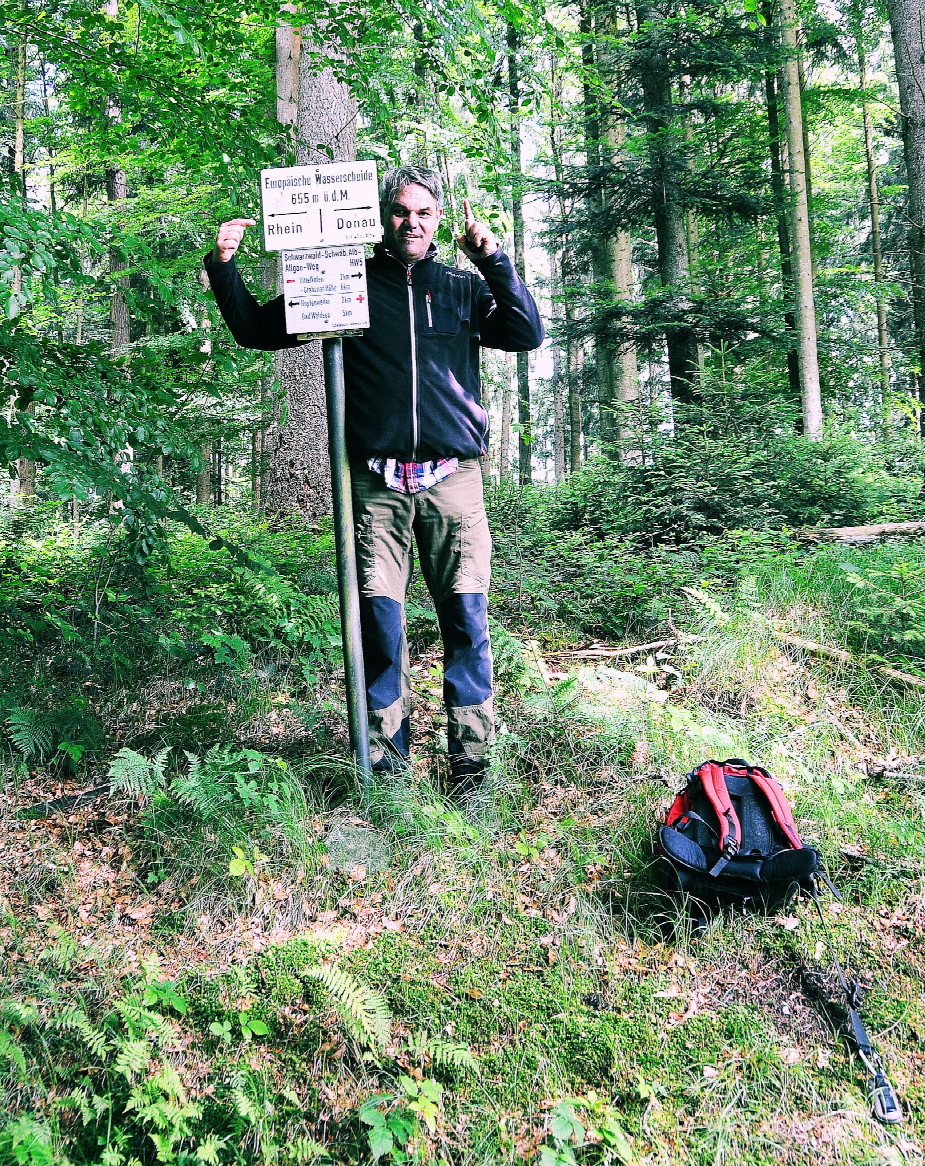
(410, 221)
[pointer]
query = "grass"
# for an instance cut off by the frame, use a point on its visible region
(238, 959)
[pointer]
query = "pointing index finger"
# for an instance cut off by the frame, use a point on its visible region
(242, 222)
(467, 208)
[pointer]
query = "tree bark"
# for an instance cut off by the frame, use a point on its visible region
(624, 373)
(525, 442)
(574, 402)
(505, 460)
(781, 202)
(558, 368)
(804, 306)
(204, 479)
(907, 22)
(592, 125)
(616, 361)
(668, 209)
(298, 475)
(24, 489)
(873, 199)
(117, 193)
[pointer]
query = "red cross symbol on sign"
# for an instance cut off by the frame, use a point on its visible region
(360, 298)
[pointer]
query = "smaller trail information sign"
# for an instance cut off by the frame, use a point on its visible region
(325, 290)
(320, 206)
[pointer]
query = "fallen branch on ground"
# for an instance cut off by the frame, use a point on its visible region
(863, 534)
(844, 657)
(599, 653)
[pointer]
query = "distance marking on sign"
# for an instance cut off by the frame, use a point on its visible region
(325, 290)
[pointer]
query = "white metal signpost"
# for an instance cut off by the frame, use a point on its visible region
(320, 206)
(325, 290)
(328, 212)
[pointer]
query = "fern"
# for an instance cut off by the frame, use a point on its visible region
(30, 732)
(204, 786)
(133, 774)
(706, 600)
(72, 1019)
(447, 1054)
(365, 1012)
(10, 1050)
(316, 613)
(133, 1059)
(15, 1012)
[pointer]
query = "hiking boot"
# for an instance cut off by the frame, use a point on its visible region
(466, 776)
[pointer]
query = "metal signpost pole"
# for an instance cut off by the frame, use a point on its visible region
(327, 213)
(348, 588)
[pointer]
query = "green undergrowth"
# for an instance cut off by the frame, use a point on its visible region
(331, 974)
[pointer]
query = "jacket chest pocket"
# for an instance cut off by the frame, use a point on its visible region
(441, 311)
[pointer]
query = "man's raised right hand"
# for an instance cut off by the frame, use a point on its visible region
(229, 238)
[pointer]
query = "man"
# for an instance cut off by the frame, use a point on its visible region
(416, 435)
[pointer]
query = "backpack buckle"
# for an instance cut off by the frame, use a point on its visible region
(729, 852)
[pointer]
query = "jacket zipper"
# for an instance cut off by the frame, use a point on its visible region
(430, 319)
(414, 370)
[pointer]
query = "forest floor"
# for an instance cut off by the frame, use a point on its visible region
(234, 956)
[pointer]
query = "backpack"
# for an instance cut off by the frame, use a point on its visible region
(729, 840)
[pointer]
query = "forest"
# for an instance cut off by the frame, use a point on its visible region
(219, 943)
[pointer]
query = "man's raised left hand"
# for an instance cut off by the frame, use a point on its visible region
(476, 241)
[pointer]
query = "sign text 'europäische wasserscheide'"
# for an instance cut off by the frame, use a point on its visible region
(320, 206)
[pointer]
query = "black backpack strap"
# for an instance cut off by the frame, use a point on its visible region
(885, 1102)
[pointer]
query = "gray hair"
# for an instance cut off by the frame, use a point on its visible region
(399, 177)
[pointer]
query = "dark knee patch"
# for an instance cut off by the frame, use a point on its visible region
(467, 670)
(382, 635)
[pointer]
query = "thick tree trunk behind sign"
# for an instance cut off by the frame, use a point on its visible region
(298, 473)
(907, 21)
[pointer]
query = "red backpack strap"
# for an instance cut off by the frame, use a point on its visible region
(713, 780)
(679, 806)
(780, 807)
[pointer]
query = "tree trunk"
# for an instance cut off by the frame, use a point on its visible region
(804, 306)
(559, 367)
(204, 480)
(907, 21)
(616, 361)
(873, 198)
(117, 193)
(298, 474)
(24, 489)
(574, 402)
(525, 442)
(668, 208)
(781, 202)
(505, 461)
(624, 374)
(591, 111)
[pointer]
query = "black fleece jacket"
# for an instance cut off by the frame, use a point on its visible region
(412, 379)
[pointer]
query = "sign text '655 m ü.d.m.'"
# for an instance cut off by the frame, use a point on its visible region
(320, 206)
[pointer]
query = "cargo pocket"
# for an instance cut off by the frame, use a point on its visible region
(474, 553)
(366, 553)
